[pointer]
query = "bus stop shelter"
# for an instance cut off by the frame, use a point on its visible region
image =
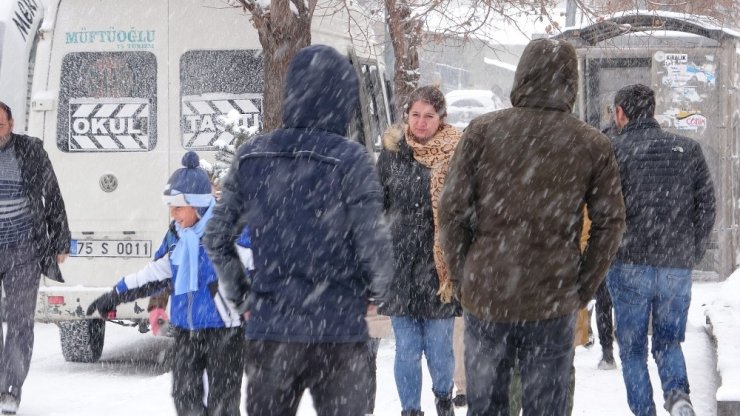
(692, 65)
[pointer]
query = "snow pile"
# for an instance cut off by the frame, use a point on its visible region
(724, 315)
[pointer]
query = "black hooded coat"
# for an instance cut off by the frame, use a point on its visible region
(313, 203)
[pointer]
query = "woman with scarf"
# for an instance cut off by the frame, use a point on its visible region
(412, 167)
(207, 331)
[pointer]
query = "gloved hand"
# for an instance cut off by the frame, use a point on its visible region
(104, 304)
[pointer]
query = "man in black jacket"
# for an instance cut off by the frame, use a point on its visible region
(669, 199)
(34, 238)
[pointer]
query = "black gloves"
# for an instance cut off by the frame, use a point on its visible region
(104, 304)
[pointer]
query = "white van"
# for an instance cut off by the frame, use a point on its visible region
(121, 90)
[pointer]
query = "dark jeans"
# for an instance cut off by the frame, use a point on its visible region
(279, 372)
(20, 275)
(545, 353)
(515, 391)
(220, 353)
(373, 344)
(604, 320)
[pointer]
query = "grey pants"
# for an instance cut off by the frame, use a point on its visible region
(20, 273)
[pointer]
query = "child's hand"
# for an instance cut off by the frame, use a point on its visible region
(106, 303)
(245, 316)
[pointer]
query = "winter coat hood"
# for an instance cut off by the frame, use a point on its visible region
(321, 90)
(547, 76)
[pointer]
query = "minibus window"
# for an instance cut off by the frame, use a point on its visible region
(108, 102)
(219, 85)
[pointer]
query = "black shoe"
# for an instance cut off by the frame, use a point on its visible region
(8, 404)
(460, 400)
(607, 360)
(444, 406)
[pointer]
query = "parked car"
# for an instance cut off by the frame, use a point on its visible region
(465, 105)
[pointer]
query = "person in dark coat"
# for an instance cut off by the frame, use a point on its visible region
(669, 197)
(413, 166)
(34, 238)
(511, 215)
(321, 248)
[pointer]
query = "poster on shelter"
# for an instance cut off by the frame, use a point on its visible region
(687, 90)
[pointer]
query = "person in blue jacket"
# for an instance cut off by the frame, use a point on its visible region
(208, 334)
(322, 253)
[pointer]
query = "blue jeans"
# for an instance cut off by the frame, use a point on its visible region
(544, 350)
(637, 292)
(433, 337)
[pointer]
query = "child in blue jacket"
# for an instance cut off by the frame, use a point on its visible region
(208, 334)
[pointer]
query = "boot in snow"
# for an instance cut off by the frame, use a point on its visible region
(607, 360)
(9, 402)
(444, 406)
(461, 400)
(682, 407)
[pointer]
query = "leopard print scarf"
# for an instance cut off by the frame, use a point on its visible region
(435, 154)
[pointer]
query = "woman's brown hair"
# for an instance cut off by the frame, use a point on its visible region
(430, 95)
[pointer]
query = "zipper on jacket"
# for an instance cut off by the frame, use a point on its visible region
(190, 311)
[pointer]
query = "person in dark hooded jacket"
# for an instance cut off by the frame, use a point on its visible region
(321, 249)
(511, 216)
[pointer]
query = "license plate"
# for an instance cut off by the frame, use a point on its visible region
(111, 248)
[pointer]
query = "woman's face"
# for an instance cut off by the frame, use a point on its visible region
(423, 120)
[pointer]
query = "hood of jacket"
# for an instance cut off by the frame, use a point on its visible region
(546, 76)
(321, 90)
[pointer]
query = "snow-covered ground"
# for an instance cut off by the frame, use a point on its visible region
(724, 314)
(130, 379)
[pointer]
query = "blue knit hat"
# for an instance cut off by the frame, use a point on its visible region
(188, 186)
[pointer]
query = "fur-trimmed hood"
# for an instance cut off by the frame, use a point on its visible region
(393, 136)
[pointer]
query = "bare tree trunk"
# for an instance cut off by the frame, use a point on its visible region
(405, 34)
(282, 34)
(279, 50)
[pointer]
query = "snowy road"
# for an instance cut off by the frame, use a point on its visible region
(130, 379)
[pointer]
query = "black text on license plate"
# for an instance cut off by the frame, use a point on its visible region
(111, 248)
